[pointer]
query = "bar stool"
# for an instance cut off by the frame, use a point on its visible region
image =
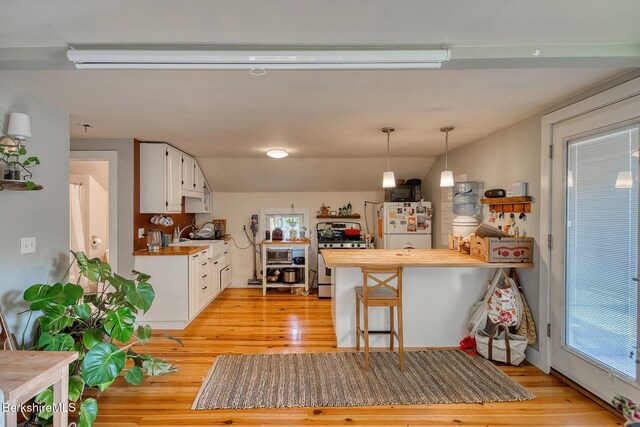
(382, 294)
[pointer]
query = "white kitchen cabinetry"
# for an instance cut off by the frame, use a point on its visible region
(183, 285)
(203, 204)
(160, 178)
(193, 183)
(188, 174)
(222, 255)
(198, 180)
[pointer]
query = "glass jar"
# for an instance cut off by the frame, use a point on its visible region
(11, 172)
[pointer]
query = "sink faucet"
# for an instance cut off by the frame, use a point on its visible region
(181, 230)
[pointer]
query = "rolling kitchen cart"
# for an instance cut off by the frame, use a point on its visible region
(293, 245)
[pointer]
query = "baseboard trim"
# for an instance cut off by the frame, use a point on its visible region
(601, 402)
(533, 356)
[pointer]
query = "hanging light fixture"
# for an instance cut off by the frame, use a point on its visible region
(388, 178)
(18, 131)
(624, 180)
(446, 176)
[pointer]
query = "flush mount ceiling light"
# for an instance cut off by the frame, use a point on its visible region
(388, 178)
(446, 176)
(277, 153)
(261, 57)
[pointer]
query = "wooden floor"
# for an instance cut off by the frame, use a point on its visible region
(241, 321)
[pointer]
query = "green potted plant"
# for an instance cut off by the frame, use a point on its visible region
(100, 326)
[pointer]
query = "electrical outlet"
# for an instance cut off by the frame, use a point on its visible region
(27, 245)
(140, 233)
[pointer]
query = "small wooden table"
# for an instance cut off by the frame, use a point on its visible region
(26, 373)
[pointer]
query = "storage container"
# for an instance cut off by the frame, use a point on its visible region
(502, 249)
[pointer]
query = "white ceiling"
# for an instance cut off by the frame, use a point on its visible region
(314, 114)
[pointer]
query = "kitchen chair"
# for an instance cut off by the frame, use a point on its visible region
(381, 294)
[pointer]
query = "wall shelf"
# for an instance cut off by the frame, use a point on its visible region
(16, 186)
(516, 204)
(354, 216)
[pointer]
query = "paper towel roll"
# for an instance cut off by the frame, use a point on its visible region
(95, 241)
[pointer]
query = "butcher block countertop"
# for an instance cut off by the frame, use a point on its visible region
(415, 258)
(171, 250)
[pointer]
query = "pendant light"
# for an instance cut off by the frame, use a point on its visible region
(388, 178)
(446, 176)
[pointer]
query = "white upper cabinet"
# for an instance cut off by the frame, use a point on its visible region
(160, 178)
(174, 173)
(199, 180)
(166, 175)
(188, 175)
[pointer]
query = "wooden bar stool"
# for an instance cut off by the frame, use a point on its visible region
(382, 294)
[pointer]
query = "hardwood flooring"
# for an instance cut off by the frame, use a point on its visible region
(241, 321)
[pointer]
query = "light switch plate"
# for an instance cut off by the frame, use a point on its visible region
(140, 233)
(27, 245)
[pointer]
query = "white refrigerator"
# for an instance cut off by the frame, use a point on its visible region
(403, 225)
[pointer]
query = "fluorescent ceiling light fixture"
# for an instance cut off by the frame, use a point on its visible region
(277, 153)
(258, 58)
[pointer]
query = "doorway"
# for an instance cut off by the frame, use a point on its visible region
(593, 256)
(93, 207)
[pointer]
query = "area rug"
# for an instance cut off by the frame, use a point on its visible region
(338, 379)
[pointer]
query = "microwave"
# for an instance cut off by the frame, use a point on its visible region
(279, 256)
(403, 193)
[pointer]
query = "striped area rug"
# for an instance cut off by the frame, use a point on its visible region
(338, 379)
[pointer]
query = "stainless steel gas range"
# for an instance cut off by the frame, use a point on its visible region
(335, 235)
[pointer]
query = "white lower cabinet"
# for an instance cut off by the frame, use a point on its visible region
(184, 285)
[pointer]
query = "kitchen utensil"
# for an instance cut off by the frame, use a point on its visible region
(351, 233)
(327, 233)
(289, 276)
(277, 234)
(154, 240)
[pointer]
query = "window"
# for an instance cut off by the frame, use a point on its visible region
(287, 219)
(285, 222)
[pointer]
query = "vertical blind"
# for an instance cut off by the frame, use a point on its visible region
(601, 313)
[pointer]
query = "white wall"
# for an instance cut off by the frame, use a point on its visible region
(238, 207)
(41, 214)
(498, 160)
(124, 148)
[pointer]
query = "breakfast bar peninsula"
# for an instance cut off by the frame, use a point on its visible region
(439, 287)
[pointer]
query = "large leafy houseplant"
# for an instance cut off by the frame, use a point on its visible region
(100, 326)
